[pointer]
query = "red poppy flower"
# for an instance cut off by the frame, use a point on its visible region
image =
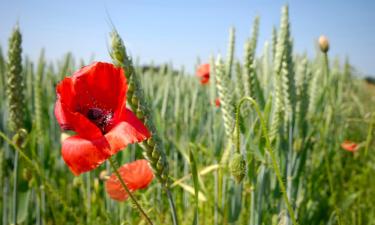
(203, 73)
(217, 102)
(350, 146)
(92, 103)
(136, 175)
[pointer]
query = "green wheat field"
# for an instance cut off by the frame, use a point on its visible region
(273, 152)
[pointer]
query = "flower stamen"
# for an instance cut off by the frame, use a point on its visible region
(100, 117)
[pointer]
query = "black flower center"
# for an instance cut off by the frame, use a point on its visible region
(100, 118)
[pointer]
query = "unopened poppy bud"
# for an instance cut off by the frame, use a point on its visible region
(237, 167)
(323, 44)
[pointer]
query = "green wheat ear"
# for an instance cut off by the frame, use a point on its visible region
(254, 35)
(303, 85)
(285, 91)
(153, 147)
(240, 87)
(231, 44)
(274, 42)
(225, 96)
(15, 82)
(266, 80)
(287, 67)
(2, 73)
(38, 94)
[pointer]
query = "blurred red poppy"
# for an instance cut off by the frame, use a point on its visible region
(92, 103)
(136, 175)
(217, 102)
(349, 146)
(203, 73)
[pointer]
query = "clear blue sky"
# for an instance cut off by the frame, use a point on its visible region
(179, 31)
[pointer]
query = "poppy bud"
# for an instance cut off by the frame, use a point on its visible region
(323, 44)
(237, 167)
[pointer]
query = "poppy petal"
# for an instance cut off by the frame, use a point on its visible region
(102, 85)
(204, 73)
(205, 79)
(217, 102)
(130, 130)
(349, 146)
(203, 70)
(136, 175)
(75, 121)
(65, 91)
(61, 118)
(82, 155)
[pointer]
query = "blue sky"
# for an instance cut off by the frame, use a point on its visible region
(178, 31)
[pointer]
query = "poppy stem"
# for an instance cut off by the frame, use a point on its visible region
(115, 168)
